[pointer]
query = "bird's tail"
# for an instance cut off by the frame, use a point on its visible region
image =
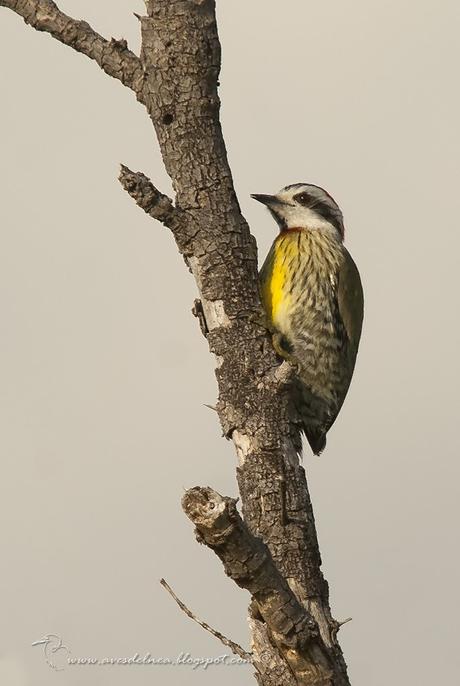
(316, 439)
(312, 414)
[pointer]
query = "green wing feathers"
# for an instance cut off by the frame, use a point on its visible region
(351, 304)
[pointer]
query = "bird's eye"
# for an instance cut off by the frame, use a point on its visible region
(303, 199)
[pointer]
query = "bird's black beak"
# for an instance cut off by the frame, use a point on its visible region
(274, 206)
(265, 199)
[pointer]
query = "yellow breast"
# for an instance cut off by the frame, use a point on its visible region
(300, 265)
(277, 281)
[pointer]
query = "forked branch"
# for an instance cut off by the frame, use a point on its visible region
(248, 562)
(274, 553)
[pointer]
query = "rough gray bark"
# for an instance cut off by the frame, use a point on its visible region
(176, 77)
(248, 562)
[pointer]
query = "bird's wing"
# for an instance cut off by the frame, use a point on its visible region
(350, 300)
(351, 304)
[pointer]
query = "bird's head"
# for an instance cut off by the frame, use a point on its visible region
(305, 206)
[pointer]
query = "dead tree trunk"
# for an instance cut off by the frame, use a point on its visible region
(273, 551)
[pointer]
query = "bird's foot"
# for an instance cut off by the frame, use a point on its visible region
(284, 349)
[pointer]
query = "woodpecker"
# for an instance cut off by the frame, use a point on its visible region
(313, 298)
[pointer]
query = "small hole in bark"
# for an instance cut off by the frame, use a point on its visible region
(168, 119)
(168, 44)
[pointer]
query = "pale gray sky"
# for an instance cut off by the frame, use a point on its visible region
(104, 373)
